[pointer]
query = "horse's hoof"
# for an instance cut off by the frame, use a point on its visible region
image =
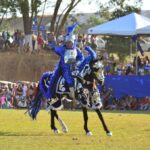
(89, 133)
(109, 134)
(56, 131)
(65, 130)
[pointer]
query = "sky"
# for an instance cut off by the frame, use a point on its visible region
(84, 7)
(146, 5)
(87, 8)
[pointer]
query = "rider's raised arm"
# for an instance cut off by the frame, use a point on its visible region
(80, 56)
(91, 56)
(57, 49)
(91, 52)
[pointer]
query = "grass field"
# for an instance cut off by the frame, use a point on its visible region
(131, 131)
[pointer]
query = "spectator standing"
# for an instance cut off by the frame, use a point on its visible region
(146, 60)
(93, 42)
(1, 42)
(21, 39)
(34, 39)
(40, 42)
(51, 38)
(16, 38)
(6, 37)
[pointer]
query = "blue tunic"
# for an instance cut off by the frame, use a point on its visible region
(62, 69)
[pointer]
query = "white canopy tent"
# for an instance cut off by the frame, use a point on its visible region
(128, 25)
(144, 30)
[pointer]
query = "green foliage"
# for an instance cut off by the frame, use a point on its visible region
(8, 5)
(117, 8)
(122, 12)
(120, 46)
(93, 21)
(4, 27)
(72, 18)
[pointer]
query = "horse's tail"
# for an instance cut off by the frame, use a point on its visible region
(35, 104)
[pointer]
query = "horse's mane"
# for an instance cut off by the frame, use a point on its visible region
(95, 60)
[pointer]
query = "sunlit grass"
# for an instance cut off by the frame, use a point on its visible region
(131, 131)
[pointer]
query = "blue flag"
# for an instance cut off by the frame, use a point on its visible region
(134, 38)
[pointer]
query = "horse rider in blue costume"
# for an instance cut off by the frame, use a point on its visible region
(70, 58)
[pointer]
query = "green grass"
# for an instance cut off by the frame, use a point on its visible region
(131, 131)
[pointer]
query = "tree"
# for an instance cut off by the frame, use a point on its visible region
(71, 6)
(54, 17)
(63, 16)
(93, 21)
(28, 10)
(123, 8)
(6, 6)
(117, 8)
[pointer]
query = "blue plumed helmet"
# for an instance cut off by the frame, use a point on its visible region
(69, 33)
(70, 53)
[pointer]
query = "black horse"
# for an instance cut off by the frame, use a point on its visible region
(86, 92)
(88, 95)
(92, 74)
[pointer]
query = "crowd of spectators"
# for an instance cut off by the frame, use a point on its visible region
(124, 103)
(117, 68)
(17, 41)
(18, 95)
(40, 41)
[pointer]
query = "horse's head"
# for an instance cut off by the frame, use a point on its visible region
(97, 68)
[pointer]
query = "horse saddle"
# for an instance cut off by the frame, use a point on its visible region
(61, 86)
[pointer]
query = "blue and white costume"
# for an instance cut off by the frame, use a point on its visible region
(69, 59)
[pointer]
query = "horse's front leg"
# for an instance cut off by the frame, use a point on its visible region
(85, 117)
(103, 122)
(53, 115)
(61, 122)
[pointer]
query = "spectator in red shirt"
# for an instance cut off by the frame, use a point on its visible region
(40, 42)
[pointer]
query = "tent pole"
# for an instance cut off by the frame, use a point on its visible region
(130, 49)
(136, 66)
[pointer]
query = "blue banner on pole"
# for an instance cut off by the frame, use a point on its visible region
(139, 48)
(35, 28)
